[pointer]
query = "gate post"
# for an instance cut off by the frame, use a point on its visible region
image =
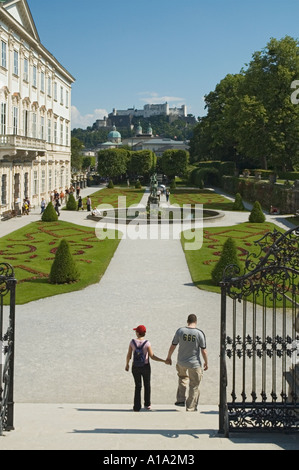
(223, 409)
(12, 316)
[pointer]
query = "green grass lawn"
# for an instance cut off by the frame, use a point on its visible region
(202, 262)
(110, 196)
(209, 199)
(293, 220)
(31, 251)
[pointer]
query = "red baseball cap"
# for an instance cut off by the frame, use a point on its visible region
(140, 329)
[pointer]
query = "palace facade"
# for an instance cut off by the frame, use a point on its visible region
(35, 112)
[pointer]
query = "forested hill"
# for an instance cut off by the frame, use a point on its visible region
(162, 126)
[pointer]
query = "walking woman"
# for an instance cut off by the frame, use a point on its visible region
(141, 351)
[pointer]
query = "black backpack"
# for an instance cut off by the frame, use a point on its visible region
(139, 355)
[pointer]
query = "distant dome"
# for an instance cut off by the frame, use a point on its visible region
(114, 136)
(150, 129)
(139, 129)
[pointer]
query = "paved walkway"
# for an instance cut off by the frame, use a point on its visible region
(72, 348)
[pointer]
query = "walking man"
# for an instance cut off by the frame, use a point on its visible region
(192, 342)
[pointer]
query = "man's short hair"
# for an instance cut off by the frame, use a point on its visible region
(192, 319)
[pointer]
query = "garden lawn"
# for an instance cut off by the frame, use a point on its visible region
(202, 262)
(208, 198)
(31, 251)
(110, 196)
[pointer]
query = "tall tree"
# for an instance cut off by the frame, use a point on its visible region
(112, 163)
(76, 159)
(174, 162)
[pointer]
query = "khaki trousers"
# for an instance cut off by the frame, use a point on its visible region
(191, 376)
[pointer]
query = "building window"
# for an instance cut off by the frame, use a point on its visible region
(35, 182)
(16, 63)
(50, 179)
(55, 132)
(61, 134)
(34, 118)
(4, 190)
(61, 95)
(42, 128)
(67, 99)
(26, 70)
(3, 119)
(15, 120)
(42, 82)
(43, 181)
(61, 178)
(49, 131)
(55, 91)
(67, 136)
(26, 185)
(49, 86)
(26, 123)
(3, 54)
(34, 76)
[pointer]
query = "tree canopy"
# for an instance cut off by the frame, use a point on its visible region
(250, 116)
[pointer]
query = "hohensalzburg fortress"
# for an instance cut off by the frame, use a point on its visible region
(150, 110)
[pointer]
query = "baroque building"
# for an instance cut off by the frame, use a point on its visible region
(35, 112)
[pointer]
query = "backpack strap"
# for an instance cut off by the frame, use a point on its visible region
(139, 347)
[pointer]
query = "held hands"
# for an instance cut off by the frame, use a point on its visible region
(168, 361)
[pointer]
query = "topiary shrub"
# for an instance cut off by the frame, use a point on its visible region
(49, 214)
(257, 216)
(110, 184)
(138, 185)
(228, 256)
(63, 270)
(71, 203)
(238, 204)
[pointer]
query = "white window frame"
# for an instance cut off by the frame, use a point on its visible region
(3, 54)
(26, 70)
(35, 182)
(49, 131)
(42, 82)
(15, 120)
(16, 62)
(42, 128)
(34, 76)
(3, 119)
(34, 125)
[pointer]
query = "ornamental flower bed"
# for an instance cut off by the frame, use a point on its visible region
(202, 262)
(32, 261)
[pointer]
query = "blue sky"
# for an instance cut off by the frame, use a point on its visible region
(126, 53)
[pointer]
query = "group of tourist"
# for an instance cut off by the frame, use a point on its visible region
(59, 198)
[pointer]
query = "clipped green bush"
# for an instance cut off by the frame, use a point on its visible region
(228, 256)
(71, 203)
(257, 216)
(238, 204)
(63, 270)
(110, 185)
(138, 185)
(49, 214)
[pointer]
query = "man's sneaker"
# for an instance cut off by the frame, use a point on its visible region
(180, 403)
(148, 408)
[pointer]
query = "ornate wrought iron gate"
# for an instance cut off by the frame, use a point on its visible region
(259, 360)
(7, 343)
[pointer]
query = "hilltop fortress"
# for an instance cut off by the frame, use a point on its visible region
(123, 118)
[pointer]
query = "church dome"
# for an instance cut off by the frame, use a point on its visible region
(114, 136)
